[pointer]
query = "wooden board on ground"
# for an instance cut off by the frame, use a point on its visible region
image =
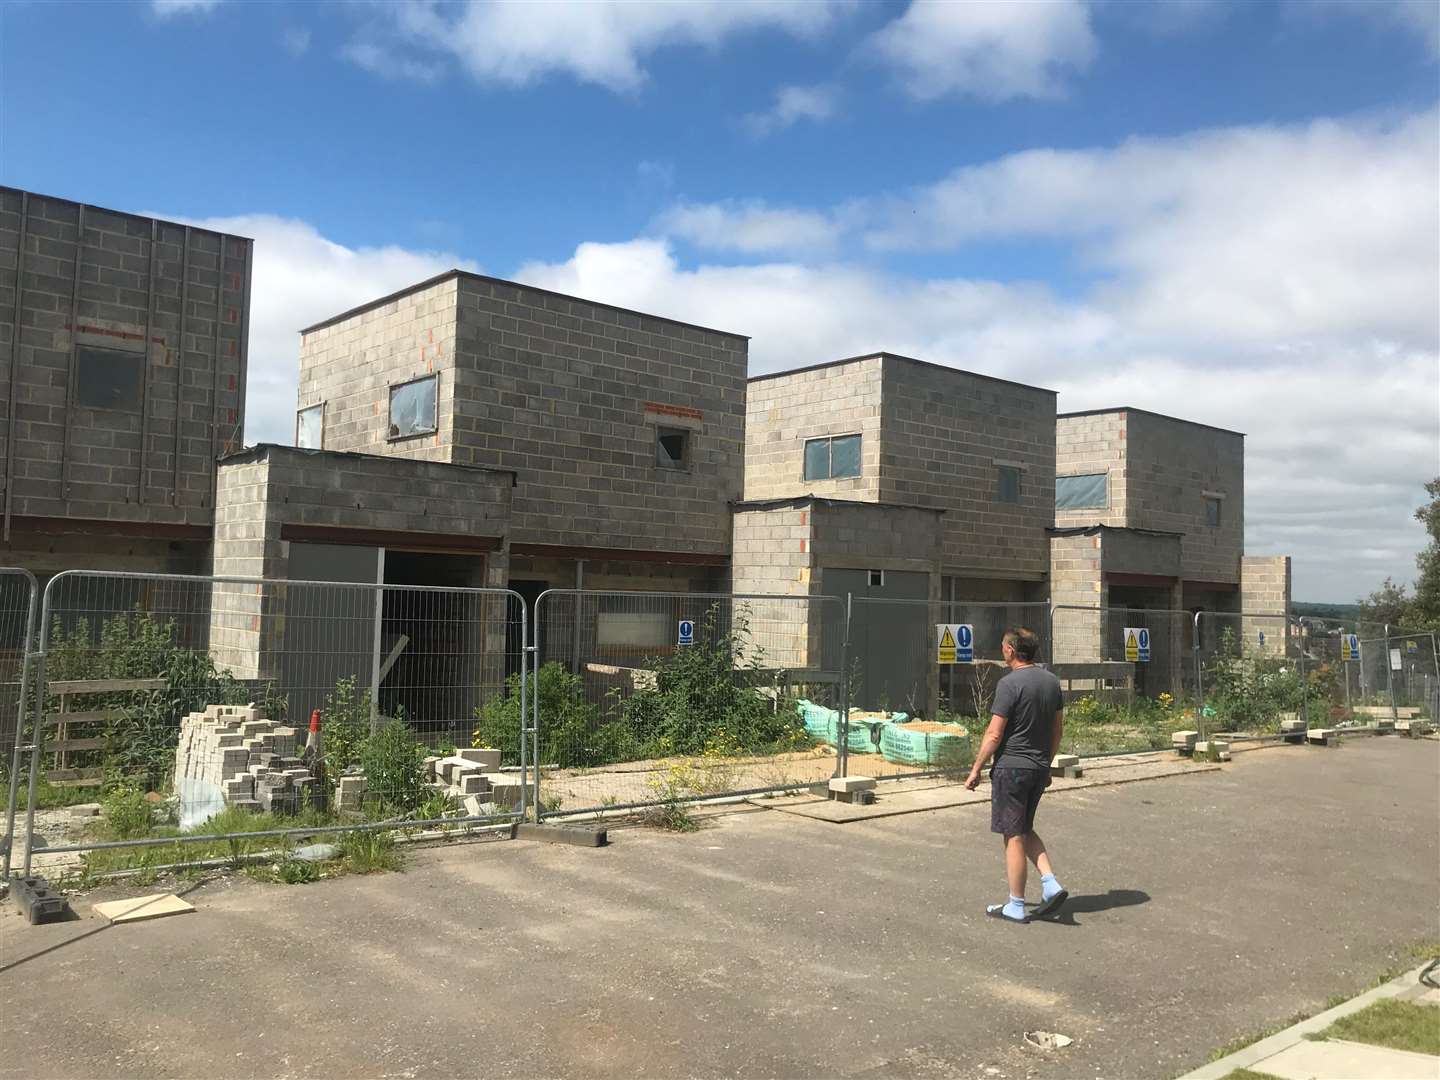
(139, 908)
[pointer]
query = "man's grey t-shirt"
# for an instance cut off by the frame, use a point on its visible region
(1028, 698)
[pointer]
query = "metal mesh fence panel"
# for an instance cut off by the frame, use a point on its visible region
(1252, 673)
(19, 598)
(1127, 675)
(649, 699)
(1398, 669)
(188, 703)
(923, 675)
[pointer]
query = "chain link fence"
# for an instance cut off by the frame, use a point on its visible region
(652, 699)
(187, 704)
(19, 602)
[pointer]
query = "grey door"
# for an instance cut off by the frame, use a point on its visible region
(889, 639)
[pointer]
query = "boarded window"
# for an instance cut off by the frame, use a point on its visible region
(1007, 484)
(833, 458)
(309, 428)
(1212, 512)
(1087, 492)
(412, 408)
(109, 379)
(671, 445)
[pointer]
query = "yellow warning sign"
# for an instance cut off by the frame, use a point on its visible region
(945, 653)
(1132, 646)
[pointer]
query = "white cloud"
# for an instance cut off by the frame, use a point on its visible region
(298, 279)
(793, 104)
(388, 65)
(166, 8)
(516, 43)
(296, 40)
(990, 49)
(748, 227)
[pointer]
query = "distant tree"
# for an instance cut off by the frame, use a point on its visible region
(1388, 604)
(1424, 609)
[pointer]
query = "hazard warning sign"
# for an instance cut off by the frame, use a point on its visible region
(954, 643)
(1137, 644)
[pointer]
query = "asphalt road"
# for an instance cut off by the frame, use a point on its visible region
(766, 944)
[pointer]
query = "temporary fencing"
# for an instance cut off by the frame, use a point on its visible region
(19, 600)
(923, 675)
(646, 699)
(196, 691)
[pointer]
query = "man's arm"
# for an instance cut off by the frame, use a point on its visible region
(988, 745)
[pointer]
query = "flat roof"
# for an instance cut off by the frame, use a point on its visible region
(1091, 530)
(826, 500)
(882, 354)
(258, 450)
(123, 213)
(1147, 412)
(457, 273)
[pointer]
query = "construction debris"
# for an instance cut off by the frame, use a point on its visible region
(140, 908)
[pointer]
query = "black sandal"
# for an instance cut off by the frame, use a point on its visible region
(995, 911)
(1049, 907)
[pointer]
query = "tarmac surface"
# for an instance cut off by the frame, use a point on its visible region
(1204, 906)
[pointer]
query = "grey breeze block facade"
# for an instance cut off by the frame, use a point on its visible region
(123, 341)
(625, 431)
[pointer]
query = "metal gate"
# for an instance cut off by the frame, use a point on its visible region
(643, 699)
(19, 597)
(186, 700)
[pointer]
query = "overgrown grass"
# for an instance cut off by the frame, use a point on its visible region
(1249, 1074)
(369, 851)
(48, 796)
(1400, 1025)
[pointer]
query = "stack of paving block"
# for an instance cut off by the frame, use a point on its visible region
(249, 759)
(474, 776)
(1184, 741)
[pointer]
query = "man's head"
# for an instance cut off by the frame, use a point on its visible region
(1020, 645)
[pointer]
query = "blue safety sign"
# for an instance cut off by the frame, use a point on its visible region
(687, 632)
(965, 643)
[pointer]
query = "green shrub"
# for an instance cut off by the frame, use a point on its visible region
(127, 813)
(394, 765)
(1248, 693)
(345, 725)
(709, 693)
(572, 731)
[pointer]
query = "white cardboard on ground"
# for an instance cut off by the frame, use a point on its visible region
(138, 908)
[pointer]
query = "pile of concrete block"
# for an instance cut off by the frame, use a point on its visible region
(1323, 737)
(1211, 750)
(1293, 730)
(250, 760)
(1184, 741)
(473, 776)
(1066, 766)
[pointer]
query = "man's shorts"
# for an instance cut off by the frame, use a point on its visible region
(1014, 795)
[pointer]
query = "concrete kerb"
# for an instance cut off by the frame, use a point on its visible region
(1405, 987)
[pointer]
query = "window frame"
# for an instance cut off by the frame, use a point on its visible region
(829, 441)
(140, 359)
(1219, 505)
(301, 412)
(685, 434)
(1093, 506)
(390, 409)
(1019, 473)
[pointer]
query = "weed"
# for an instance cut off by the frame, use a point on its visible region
(1400, 1025)
(128, 815)
(394, 765)
(437, 805)
(369, 850)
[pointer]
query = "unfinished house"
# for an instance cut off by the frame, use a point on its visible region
(123, 341)
(1150, 518)
(624, 432)
(887, 478)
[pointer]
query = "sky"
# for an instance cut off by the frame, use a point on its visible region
(1228, 212)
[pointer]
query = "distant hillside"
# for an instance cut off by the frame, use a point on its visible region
(1326, 611)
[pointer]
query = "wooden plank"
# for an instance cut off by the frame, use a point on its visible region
(75, 776)
(103, 686)
(137, 908)
(55, 719)
(77, 744)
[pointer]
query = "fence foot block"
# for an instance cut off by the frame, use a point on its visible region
(37, 901)
(561, 834)
(1323, 737)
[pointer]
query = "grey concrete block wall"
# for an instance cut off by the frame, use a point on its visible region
(931, 436)
(783, 411)
(349, 366)
(1161, 470)
(176, 296)
(1174, 467)
(1265, 590)
(567, 393)
(946, 435)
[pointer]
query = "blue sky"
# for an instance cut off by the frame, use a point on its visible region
(1225, 211)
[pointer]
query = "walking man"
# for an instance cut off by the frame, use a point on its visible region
(1023, 737)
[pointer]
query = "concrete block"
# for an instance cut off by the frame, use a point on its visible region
(81, 811)
(481, 806)
(429, 764)
(564, 834)
(252, 728)
(1062, 761)
(1385, 727)
(851, 783)
(474, 784)
(484, 756)
(225, 742)
(252, 805)
(1323, 737)
(1184, 741)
